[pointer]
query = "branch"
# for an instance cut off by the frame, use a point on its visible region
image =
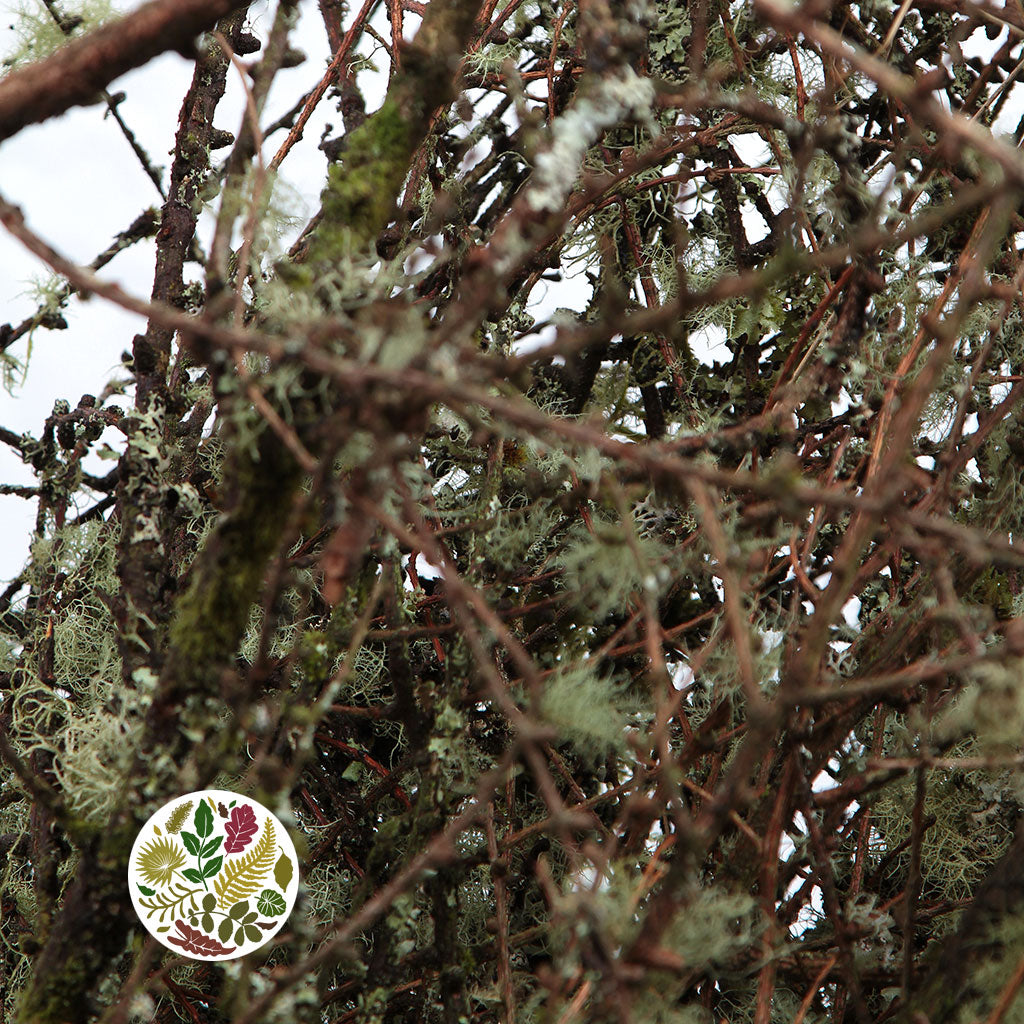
(77, 72)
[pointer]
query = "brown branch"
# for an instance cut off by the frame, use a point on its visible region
(75, 74)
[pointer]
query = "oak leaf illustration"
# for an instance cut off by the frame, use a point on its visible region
(240, 828)
(192, 940)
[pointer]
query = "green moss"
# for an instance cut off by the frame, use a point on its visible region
(993, 589)
(361, 192)
(77, 956)
(215, 609)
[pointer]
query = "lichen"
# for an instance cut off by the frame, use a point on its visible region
(609, 100)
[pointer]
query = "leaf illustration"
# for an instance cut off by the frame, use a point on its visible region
(192, 875)
(177, 817)
(283, 872)
(191, 843)
(243, 876)
(271, 903)
(211, 867)
(171, 900)
(194, 941)
(203, 820)
(145, 891)
(159, 859)
(241, 828)
(222, 810)
(210, 848)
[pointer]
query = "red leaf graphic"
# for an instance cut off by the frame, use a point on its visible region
(240, 828)
(192, 940)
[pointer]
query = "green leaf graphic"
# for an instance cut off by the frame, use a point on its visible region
(211, 847)
(224, 931)
(210, 868)
(191, 843)
(203, 819)
(239, 910)
(209, 901)
(252, 934)
(283, 871)
(192, 875)
(271, 903)
(243, 876)
(145, 891)
(177, 817)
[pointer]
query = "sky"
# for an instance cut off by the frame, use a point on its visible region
(78, 184)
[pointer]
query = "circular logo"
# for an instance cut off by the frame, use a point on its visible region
(213, 875)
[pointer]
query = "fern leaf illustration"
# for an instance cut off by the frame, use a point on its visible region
(177, 817)
(172, 900)
(242, 876)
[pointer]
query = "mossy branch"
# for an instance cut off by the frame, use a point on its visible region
(210, 617)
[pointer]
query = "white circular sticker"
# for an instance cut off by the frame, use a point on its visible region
(213, 875)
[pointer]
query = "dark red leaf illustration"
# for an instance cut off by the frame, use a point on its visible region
(241, 827)
(192, 940)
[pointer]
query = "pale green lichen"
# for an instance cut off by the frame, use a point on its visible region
(609, 100)
(36, 34)
(586, 708)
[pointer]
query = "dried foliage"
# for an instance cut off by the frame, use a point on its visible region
(659, 658)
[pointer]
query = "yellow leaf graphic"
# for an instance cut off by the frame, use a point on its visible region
(240, 877)
(283, 871)
(178, 816)
(159, 860)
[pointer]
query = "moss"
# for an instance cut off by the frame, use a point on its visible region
(215, 610)
(993, 589)
(94, 916)
(360, 194)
